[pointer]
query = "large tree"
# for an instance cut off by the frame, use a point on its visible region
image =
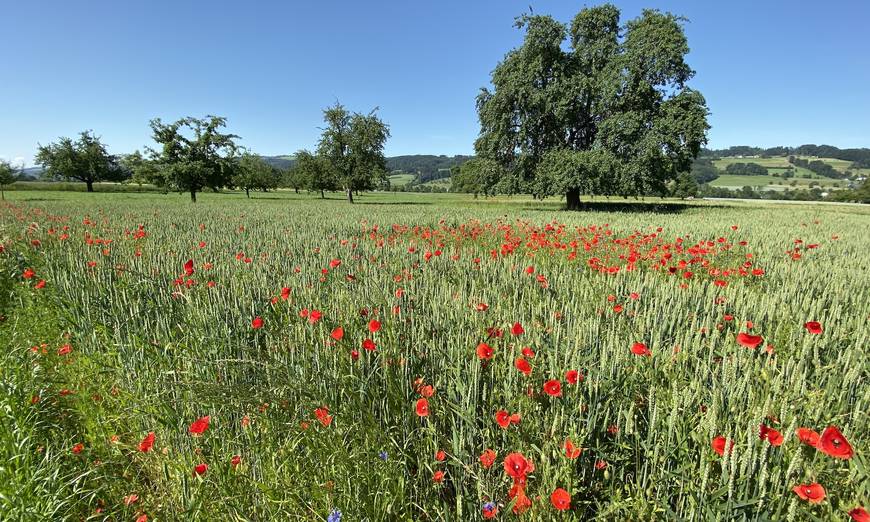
(8, 176)
(611, 114)
(353, 146)
(85, 159)
(193, 154)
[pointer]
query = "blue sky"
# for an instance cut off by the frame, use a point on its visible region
(773, 72)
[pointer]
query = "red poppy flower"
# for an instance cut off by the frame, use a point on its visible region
(749, 341)
(147, 443)
(438, 476)
(335, 263)
(28, 273)
(813, 327)
(78, 448)
(553, 388)
(490, 511)
(517, 329)
(481, 307)
(369, 345)
(314, 316)
(516, 466)
(257, 323)
(834, 444)
(235, 460)
(484, 351)
(323, 416)
(774, 437)
(503, 419)
(374, 326)
(560, 499)
(427, 391)
(808, 436)
(440, 455)
(199, 426)
(571, 451)
(487, 458)
(859, 514)
(522, 503)
(188, 267)
(422, 408)
(600, 464)
(523, 366)
(719, 443)
(528, 352)
(285, 293)
(337, 333)
(64, 350)
(130, 499)
(40, 285)
(572, 376)
(814, 492)
(200, 469)
(640, 349)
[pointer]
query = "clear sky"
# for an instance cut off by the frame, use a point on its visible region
(773, 72)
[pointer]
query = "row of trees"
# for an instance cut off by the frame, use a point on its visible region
(746, 169)
(194, 154)
(817, 166)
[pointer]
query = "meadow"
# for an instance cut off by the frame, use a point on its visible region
(431, 357)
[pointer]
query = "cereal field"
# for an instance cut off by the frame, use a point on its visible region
(431, 358)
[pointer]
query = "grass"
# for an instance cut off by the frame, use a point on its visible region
(153, 348)
(400, 180)
(773, 182)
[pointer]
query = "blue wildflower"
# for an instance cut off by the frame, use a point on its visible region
(334, 516)
(383, 455)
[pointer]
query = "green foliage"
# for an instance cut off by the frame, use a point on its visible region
(352, 144)
(819, 167)
(746, 169)
(85, 159)
(475, 176)
(8, 176)
(685, 186)
(703, 170)
(254, 173)
(193, 154)
(313, 172)
(614, 107)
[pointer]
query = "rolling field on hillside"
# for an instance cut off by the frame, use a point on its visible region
(240, 359)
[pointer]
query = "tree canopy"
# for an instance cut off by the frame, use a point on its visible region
(8, 176)
(612, 114)
(193, 154)
(85, 159)
(352, 146)
(253, 173)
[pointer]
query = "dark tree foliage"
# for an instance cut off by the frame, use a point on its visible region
(611, 114)
(817, 166)
(746, 169)
(85, 159)
(8, 176)
(703, 170)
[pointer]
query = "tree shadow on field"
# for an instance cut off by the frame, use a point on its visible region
(393, 203)
(639, 207)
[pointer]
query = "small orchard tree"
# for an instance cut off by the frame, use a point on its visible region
(193, 154)
(353, 146)
(85, 159)
(8, 176)
(315, 173)
(253, 172)
(473, 176)
(140, 169)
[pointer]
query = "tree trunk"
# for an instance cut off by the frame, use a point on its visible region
(193, 196)
(248, 192)
(297, 190)
(349, 196)
(572, 199)
(90, 184)
(322, 195)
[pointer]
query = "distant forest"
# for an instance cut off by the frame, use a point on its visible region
(859, 157)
